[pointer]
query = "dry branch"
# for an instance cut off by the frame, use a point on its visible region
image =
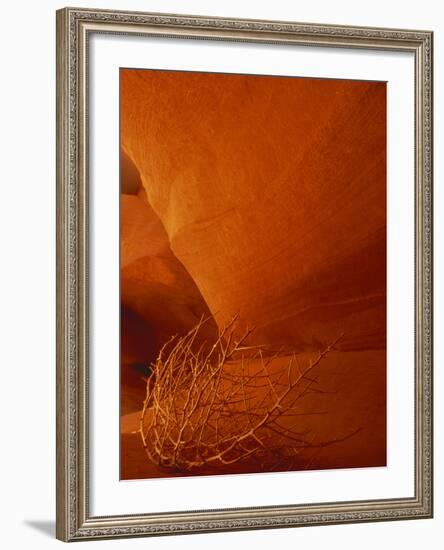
(211, 406)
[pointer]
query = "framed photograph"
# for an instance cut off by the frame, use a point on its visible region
(244, 318)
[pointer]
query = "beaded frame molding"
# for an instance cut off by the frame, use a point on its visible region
(74, 521)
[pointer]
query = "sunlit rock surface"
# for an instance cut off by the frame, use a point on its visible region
(272, 197)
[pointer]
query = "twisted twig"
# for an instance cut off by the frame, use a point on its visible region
(214, 406)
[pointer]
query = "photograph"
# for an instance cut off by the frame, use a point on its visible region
(221, 231)
(244, 252)
(252, 273)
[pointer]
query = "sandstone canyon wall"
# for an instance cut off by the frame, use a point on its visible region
(268, 196)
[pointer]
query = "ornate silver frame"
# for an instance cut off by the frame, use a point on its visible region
(74, 521)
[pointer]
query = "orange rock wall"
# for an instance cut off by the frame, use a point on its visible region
(272, 195)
